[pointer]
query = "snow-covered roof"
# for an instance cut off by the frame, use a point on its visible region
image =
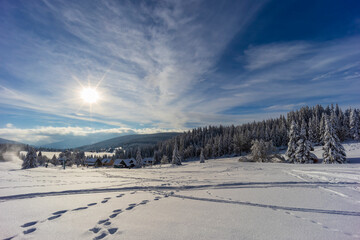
(91, 160)
(127, 162)
(106, 160)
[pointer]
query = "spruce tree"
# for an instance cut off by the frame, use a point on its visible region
(354, 125)
(30, 160)
(139, 162)
(302, 154)
(334, 152)
(292, 144)
(311, 133)
(202, 159)
(176, 159)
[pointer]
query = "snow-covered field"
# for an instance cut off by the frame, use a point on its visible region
(220, 199)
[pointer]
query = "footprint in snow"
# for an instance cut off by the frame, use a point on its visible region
(113, 215)
(28, 224)
(144, 202)
(59, 212)
(29, 230)
(117, 210)
(120, 195)
(130, 207)
(54, 217)
(107, 223)
(103, 221)
(104, 201)
(10, 238)
(80, 208)
(91, 204)
(95, 230)
(112, 230)
(107, 198)
(101, 236)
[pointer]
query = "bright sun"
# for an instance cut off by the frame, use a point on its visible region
(89, 95)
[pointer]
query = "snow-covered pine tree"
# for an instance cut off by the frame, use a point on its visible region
(30, 160)
(164, 160)
(302, 154)
(354, 125)
(311, 132)
(176, 159)
(292, 144)
(334, 152)
(202, 159)
(322, 128)
(139, 162)
(256, 151)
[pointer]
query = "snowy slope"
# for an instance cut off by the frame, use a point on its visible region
(220, 199)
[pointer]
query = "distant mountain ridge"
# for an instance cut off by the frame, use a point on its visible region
(6, 141)
(130, 141)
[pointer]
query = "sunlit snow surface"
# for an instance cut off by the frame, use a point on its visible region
(220, 199)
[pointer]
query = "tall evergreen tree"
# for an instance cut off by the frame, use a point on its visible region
(302, 154)
(334, 152)
(139, 162)
(354, 125)
(292, 144)
(202, 159)
(176, 159)
(30, 160)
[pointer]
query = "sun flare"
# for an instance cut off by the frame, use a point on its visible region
(89, 95)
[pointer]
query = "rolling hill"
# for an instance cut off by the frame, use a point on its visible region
(129, 141)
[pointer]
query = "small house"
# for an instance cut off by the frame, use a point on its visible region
(93, 162)
(107, 162)
(124, 163)
(148, 161)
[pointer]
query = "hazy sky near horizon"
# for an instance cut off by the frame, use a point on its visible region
(170, 65)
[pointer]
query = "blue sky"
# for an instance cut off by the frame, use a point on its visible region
(170, 65)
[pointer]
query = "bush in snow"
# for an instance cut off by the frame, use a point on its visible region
(334, 152)
(30, 160)
(164, 160)
(292, 144)
(262, 151)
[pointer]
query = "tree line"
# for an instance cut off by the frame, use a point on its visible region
(220, 141)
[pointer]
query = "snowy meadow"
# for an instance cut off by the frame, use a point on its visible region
(218, 199)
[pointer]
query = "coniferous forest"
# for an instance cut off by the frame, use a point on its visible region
(219, 141)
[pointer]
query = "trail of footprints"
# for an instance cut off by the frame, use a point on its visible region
(303, 218)
(322, 225)
(103, 227)
(30, 226)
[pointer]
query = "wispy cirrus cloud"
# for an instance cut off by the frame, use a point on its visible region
(154, 55)
(258, 57)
